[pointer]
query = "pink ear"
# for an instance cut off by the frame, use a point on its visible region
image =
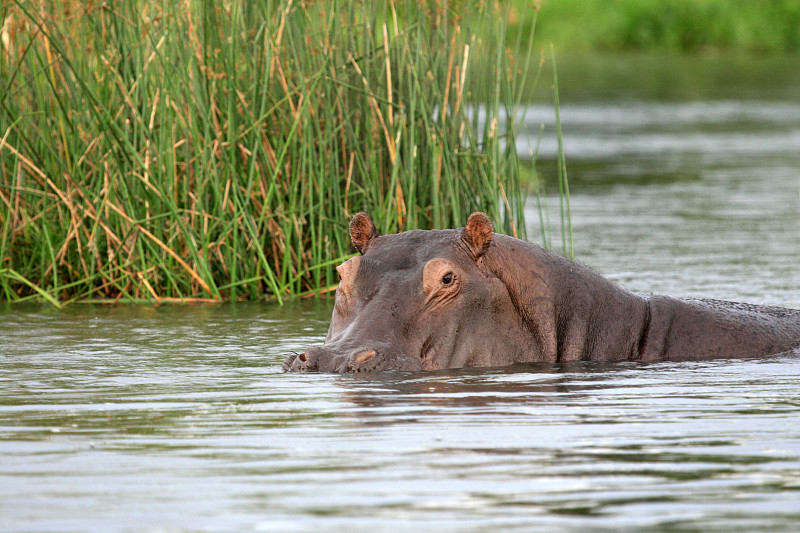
(362, 231)
(478, 234)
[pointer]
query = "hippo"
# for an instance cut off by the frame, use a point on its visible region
(469, 297)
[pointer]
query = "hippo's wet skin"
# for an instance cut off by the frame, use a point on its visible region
(427, 300)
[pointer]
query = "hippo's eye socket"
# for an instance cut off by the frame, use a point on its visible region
(447, 279)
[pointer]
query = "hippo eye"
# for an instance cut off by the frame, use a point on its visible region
(447, 279)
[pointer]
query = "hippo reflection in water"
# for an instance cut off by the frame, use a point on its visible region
(429, 300)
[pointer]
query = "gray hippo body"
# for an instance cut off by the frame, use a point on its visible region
(428, 300)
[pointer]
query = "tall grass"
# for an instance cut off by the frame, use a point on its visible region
(216, 150)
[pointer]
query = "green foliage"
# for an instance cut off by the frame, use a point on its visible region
(217, 150)
(753, 26)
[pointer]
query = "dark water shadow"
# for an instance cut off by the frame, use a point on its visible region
(393, 397)
(470, 388)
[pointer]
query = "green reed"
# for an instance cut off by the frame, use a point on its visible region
(217, 150)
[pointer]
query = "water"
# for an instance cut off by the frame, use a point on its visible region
(141, 418)
(679, 195)
(694, 199)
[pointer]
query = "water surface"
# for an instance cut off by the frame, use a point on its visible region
(150, 419)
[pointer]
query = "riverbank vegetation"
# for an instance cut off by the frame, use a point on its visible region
(683, 26)
(216, 150)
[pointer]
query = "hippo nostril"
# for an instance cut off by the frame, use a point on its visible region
(364, 355)
(303, 357)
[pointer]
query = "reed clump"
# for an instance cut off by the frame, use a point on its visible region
(216, 150)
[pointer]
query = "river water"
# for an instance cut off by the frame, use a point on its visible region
(143, 418)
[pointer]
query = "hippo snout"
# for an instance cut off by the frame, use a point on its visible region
(325, 359)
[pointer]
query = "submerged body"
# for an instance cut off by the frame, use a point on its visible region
(428, 300)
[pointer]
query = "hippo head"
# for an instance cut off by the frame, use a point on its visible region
(418, 300)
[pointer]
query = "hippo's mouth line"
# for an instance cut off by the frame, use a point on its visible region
(427, 353)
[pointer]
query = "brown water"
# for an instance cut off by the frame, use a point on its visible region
(141, 418)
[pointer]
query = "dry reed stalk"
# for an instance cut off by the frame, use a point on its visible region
(163, 246)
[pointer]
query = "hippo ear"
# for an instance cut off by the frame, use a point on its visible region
(478, 234)
(362, 231)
